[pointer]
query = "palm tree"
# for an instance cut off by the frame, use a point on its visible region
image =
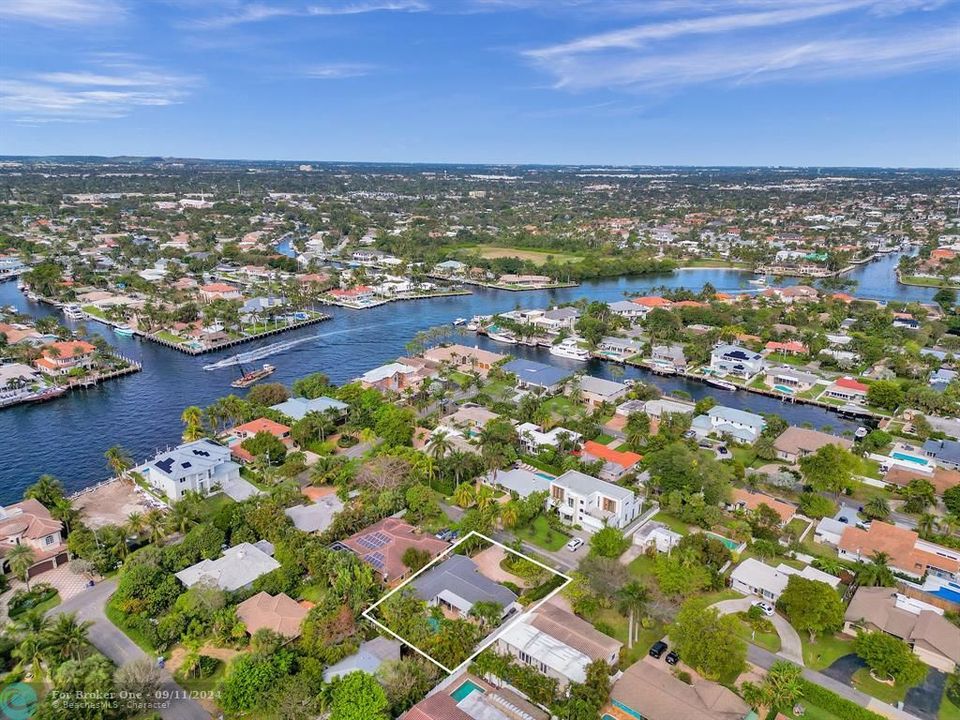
(485, 497)
(509, 514)
(876, 508)
(439, 444)
(926, 525)
(633, 598)
(154, 521)
(783, 684)
(64, 511)
(21, 558)
(135, 523)
(464, 495)
(46, 489)
(119, 461)
(192, 419)
(877, 572)
(31, 622)
(69, 637)
(30, 653)
(182, 515)
(455, 461)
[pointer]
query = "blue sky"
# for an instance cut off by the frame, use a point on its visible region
(720, 82)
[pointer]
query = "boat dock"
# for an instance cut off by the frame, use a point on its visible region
(320, 317)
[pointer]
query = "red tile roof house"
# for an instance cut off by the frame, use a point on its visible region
(616, 463)
(360, 292)
(68, 355)
(30, 523)
(248, 430)
(383, 544)
(793, 347)
(848, 389)
(219, 291)
(651, 302)
(279, 613)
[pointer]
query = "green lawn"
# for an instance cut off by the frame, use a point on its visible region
(461, 379)
(94, 311)
(206, 684)
(811, 712)
(948, 711)
(619, 624)
(119, 620)
(673, 523)
(168, 336)
(891, 694)
(769, 641)
(41, 608)
(313, 592)
(822, 652)
(542, 535)
(604, 439)
(212, 504)
(499, 389)
(562, 406)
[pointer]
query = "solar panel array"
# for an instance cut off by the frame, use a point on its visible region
(376, 559)
(373, 540)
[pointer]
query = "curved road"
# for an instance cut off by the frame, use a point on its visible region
(112, 642)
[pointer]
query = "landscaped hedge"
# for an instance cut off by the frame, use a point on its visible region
(833, 703)
(24, 600)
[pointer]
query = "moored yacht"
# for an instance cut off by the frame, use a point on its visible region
(569, 349)
(73, 312)
(502, 336)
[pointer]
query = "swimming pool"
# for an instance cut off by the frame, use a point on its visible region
(732, 545)
(910, 458)
(545, 476)
(948, 591)
(784, 389)
(464, 690)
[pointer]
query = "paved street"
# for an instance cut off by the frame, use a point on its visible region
(108, 639)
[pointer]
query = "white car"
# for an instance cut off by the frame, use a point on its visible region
(766, 608)
(574, 544)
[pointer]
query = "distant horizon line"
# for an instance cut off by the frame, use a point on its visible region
(427, 163)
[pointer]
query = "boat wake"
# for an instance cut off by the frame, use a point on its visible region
(250, 356)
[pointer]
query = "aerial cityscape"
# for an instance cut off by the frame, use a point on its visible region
(484, 360)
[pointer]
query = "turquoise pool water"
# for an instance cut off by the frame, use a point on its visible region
(433, 623)
(608, 717)
(465, 689)
(950, 591)
(545, 476)
(784, 389)
(731, 544)
(909, 458)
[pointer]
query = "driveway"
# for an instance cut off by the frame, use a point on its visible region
(843, 668)
(790, 646)
(112, 642)
(924, 699)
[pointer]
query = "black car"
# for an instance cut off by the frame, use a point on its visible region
(672, 657)
(658, 649)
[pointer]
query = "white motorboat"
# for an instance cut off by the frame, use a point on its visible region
(861, 433)
(460, 321)
(502, 337)
(570, 349)
(718, 383)
(758, 281)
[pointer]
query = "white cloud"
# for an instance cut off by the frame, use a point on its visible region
(799, 60)
(62, 12)
(259, 12)
(111, 91)
(337, 71)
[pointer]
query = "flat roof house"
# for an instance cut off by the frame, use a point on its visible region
(796, 442)
(468, 697)
(933, 638)
(517, 480)
(532, 374)
(382, 546)
(533, 438)
(237, 568)
(735, 360)
(752, 577)
(279, 613)
(199, 466)
(558, 644)
(315, 517)
(457, 584)
(593, 503)
(368, 658)
(649, 692)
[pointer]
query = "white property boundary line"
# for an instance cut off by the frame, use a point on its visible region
(487, 642)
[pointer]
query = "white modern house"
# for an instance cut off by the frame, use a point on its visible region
(735, 360)
(593, 503)
(201, 466)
